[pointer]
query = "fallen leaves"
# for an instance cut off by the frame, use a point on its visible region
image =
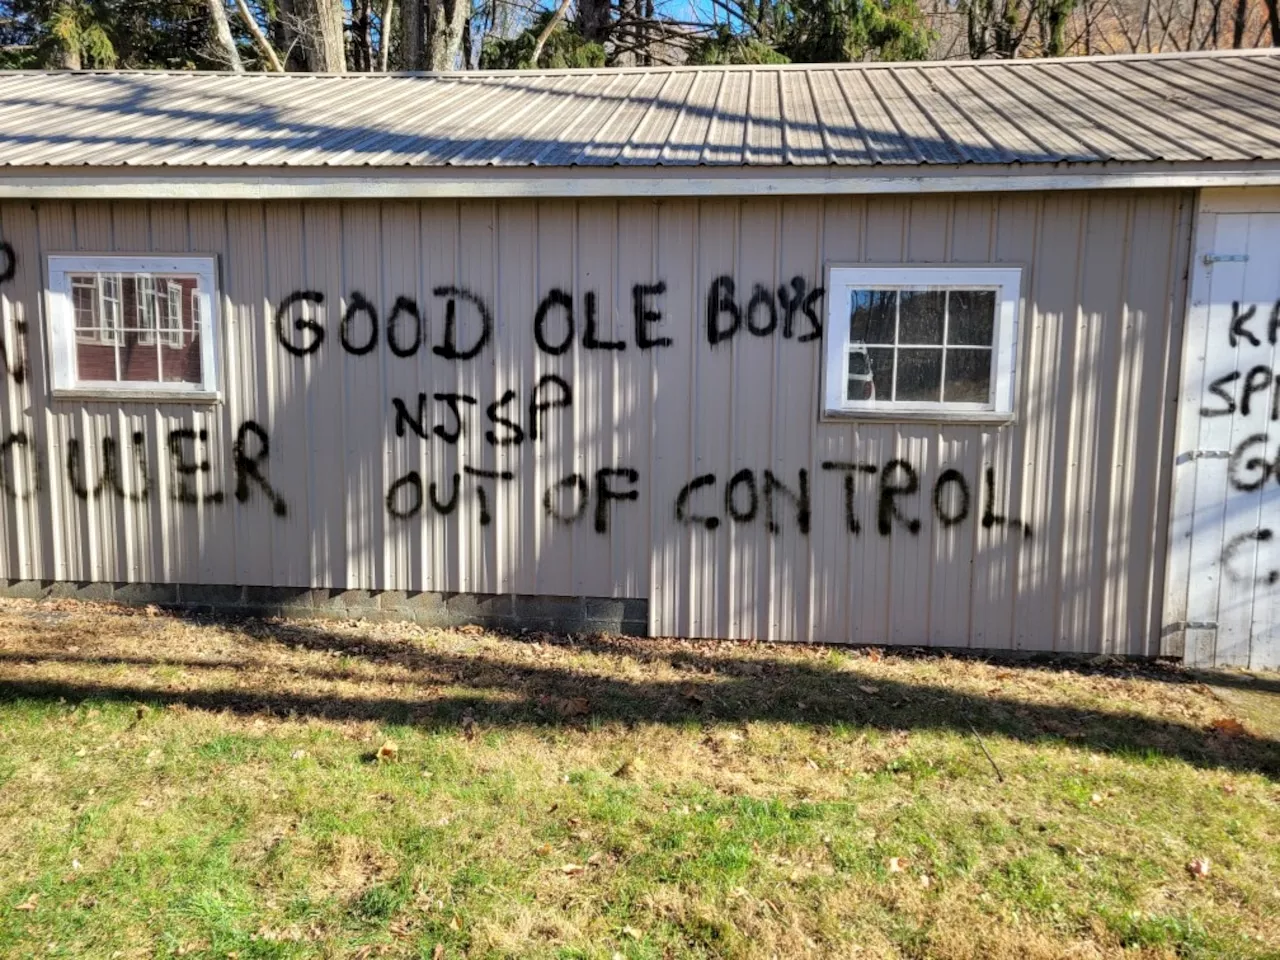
(868, 688)
(388, 752)
(468, 726)
(573, 869)
(1199, 868)
(1228, 727)
(28, 905)
(897, 865)
(573, 707)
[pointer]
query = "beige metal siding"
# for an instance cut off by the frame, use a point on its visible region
(1086, 465)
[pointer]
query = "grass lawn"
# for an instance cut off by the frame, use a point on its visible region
(173, 787)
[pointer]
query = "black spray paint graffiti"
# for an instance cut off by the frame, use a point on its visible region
(792, 310)
(249, 454)
(579, 491)
(1260, 379)
(109, 476)
(405, 500)
(187, 471)
(405, 332)
(1239, 330)
(1249, 467)
(15, 362)
(550, 393)
(743, 495)
(1247, 541)
(764, 311)
(9, 472)
(248, 467)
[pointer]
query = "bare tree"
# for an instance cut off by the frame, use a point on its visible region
(446, 24)
(224, 44)
(413, 34)
(384, 41)
(314, 29)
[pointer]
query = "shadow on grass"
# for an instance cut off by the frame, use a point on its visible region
(714, 689)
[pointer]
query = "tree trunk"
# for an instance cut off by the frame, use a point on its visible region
(313, 28)
(362, 36)
(413, 32)
(593, 20)
(384, 44)
(446, 19)
(1273, 20)
(224, 43)
(1237, 28)
(647, 36)
(625, 35)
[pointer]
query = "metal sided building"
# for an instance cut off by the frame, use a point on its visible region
(976, 355)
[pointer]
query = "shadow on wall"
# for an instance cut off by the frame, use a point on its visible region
(511, 689)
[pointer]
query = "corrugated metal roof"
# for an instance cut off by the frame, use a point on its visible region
(1191, 107)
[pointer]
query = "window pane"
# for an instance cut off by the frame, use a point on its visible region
(860, 385)
(972, 317)
(181, 342)
(920, 316)
(881, 372)
(95, 360)
(968, 376)
(871, 320)
(171, 319)
(139, 358)
(919, 375)
(183, 364)
(142, 287)
(84, 304)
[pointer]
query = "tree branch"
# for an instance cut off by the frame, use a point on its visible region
(545, 35)
(256, 32)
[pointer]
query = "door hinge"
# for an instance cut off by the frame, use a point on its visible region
(1211, 258)
(1202, 455)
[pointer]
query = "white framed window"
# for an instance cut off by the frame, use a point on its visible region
(908, 342)
(133, 325)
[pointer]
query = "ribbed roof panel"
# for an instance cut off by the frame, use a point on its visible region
(1188, 107)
